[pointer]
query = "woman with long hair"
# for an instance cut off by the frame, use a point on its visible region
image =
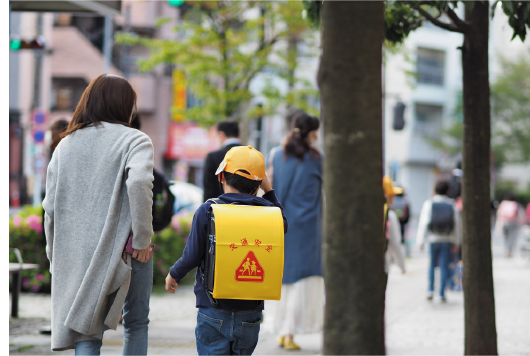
(98, 193)
(295, 170)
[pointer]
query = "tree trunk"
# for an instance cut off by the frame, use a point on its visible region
(350, 82)
(479, 301)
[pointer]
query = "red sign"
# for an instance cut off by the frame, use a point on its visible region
(188, 140)
(250, 270)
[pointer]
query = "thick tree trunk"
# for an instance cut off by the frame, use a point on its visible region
(350, 82)
(479, 301)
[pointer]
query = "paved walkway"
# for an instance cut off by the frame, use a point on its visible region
(414, 326)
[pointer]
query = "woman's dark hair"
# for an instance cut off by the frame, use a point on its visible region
(241, 184)
(296, 144)
(57, 128)
(441, 187)
(108, 98)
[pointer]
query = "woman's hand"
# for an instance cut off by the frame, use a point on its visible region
(265, 185)
(171, 284)
(141, 255)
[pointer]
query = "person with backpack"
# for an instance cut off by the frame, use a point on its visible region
(295, 170)
(226, 326)
(510, 216)
(439, 225)
(163, 199)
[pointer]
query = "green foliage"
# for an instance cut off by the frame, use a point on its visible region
(511, 109)
(170, 244)
(312, 12)
(25, 233)
(402, 17)
(223, 49)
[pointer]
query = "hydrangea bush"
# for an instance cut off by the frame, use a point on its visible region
(25, 233)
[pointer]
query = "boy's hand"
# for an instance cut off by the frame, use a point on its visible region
(266, 185)
(171, 284)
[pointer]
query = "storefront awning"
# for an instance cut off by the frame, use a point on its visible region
(102, 8)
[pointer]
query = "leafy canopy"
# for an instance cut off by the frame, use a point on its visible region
(402, 17)
(222, 46)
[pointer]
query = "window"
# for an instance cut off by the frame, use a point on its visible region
(431, 66)
(428, 120)
(66, 93)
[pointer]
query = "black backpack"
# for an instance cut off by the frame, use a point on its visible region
(163, 202)
(442, 218)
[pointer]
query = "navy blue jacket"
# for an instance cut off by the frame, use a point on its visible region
(196, 247)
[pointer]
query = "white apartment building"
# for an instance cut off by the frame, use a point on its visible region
(430, 97)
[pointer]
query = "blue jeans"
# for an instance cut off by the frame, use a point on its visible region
(440, 255)
(221, 332)
(135, 314)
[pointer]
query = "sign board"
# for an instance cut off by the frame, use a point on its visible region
(187, 140)
(179, 95)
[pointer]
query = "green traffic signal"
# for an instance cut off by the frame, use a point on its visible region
(175, 3)
(15, 44)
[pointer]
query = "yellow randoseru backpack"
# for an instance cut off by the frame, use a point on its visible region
(244, 252)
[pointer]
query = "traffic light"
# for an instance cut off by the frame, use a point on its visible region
(16, 43)
(399, 121)
(175, 3)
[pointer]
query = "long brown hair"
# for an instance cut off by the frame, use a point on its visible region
(108, 98)
(296, 144)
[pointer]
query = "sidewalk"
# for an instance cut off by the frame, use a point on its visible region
(414, 326)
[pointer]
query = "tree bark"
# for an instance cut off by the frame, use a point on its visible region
(479, 300)
(350, 82)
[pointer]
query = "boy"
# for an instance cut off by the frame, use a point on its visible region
(232, 326)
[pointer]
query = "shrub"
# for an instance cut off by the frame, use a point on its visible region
(170, 244)
(25, 233)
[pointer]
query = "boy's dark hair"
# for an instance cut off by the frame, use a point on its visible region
(241, 184)
(229, 128)
(441, 187)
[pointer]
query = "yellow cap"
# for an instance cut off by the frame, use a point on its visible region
(244, 158)
(389, 188)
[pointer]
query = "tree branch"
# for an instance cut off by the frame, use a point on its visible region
(464, 26)
(435, 21)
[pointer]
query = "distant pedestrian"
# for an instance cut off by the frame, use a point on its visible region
(401, 206)
(394, 251)
(295, 170)
(510, 216)
(98, 193)
(439, 225)
(228, 133)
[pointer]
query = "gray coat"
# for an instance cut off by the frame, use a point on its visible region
(98, 191)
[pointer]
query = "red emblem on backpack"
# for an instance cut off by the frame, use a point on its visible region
(250, 270)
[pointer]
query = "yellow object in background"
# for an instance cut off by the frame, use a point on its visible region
(248, 252)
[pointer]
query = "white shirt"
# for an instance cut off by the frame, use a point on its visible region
(424, 235)
(394, 250)
(231, 141)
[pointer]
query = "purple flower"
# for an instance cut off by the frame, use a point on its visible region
(33, 219)
(17, 221)
(25, 282)
(159, 263)
(35, 287)
(163, 270)
(185, 239)
(39, 277)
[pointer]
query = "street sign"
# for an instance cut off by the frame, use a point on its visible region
(38, 135)
(39, 117)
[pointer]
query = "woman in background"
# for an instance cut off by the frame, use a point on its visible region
(295, 170)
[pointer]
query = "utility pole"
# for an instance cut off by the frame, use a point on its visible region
(38, 150)
(107, 44)
(126, 49)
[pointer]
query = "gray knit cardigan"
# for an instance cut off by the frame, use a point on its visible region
(98, 191)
